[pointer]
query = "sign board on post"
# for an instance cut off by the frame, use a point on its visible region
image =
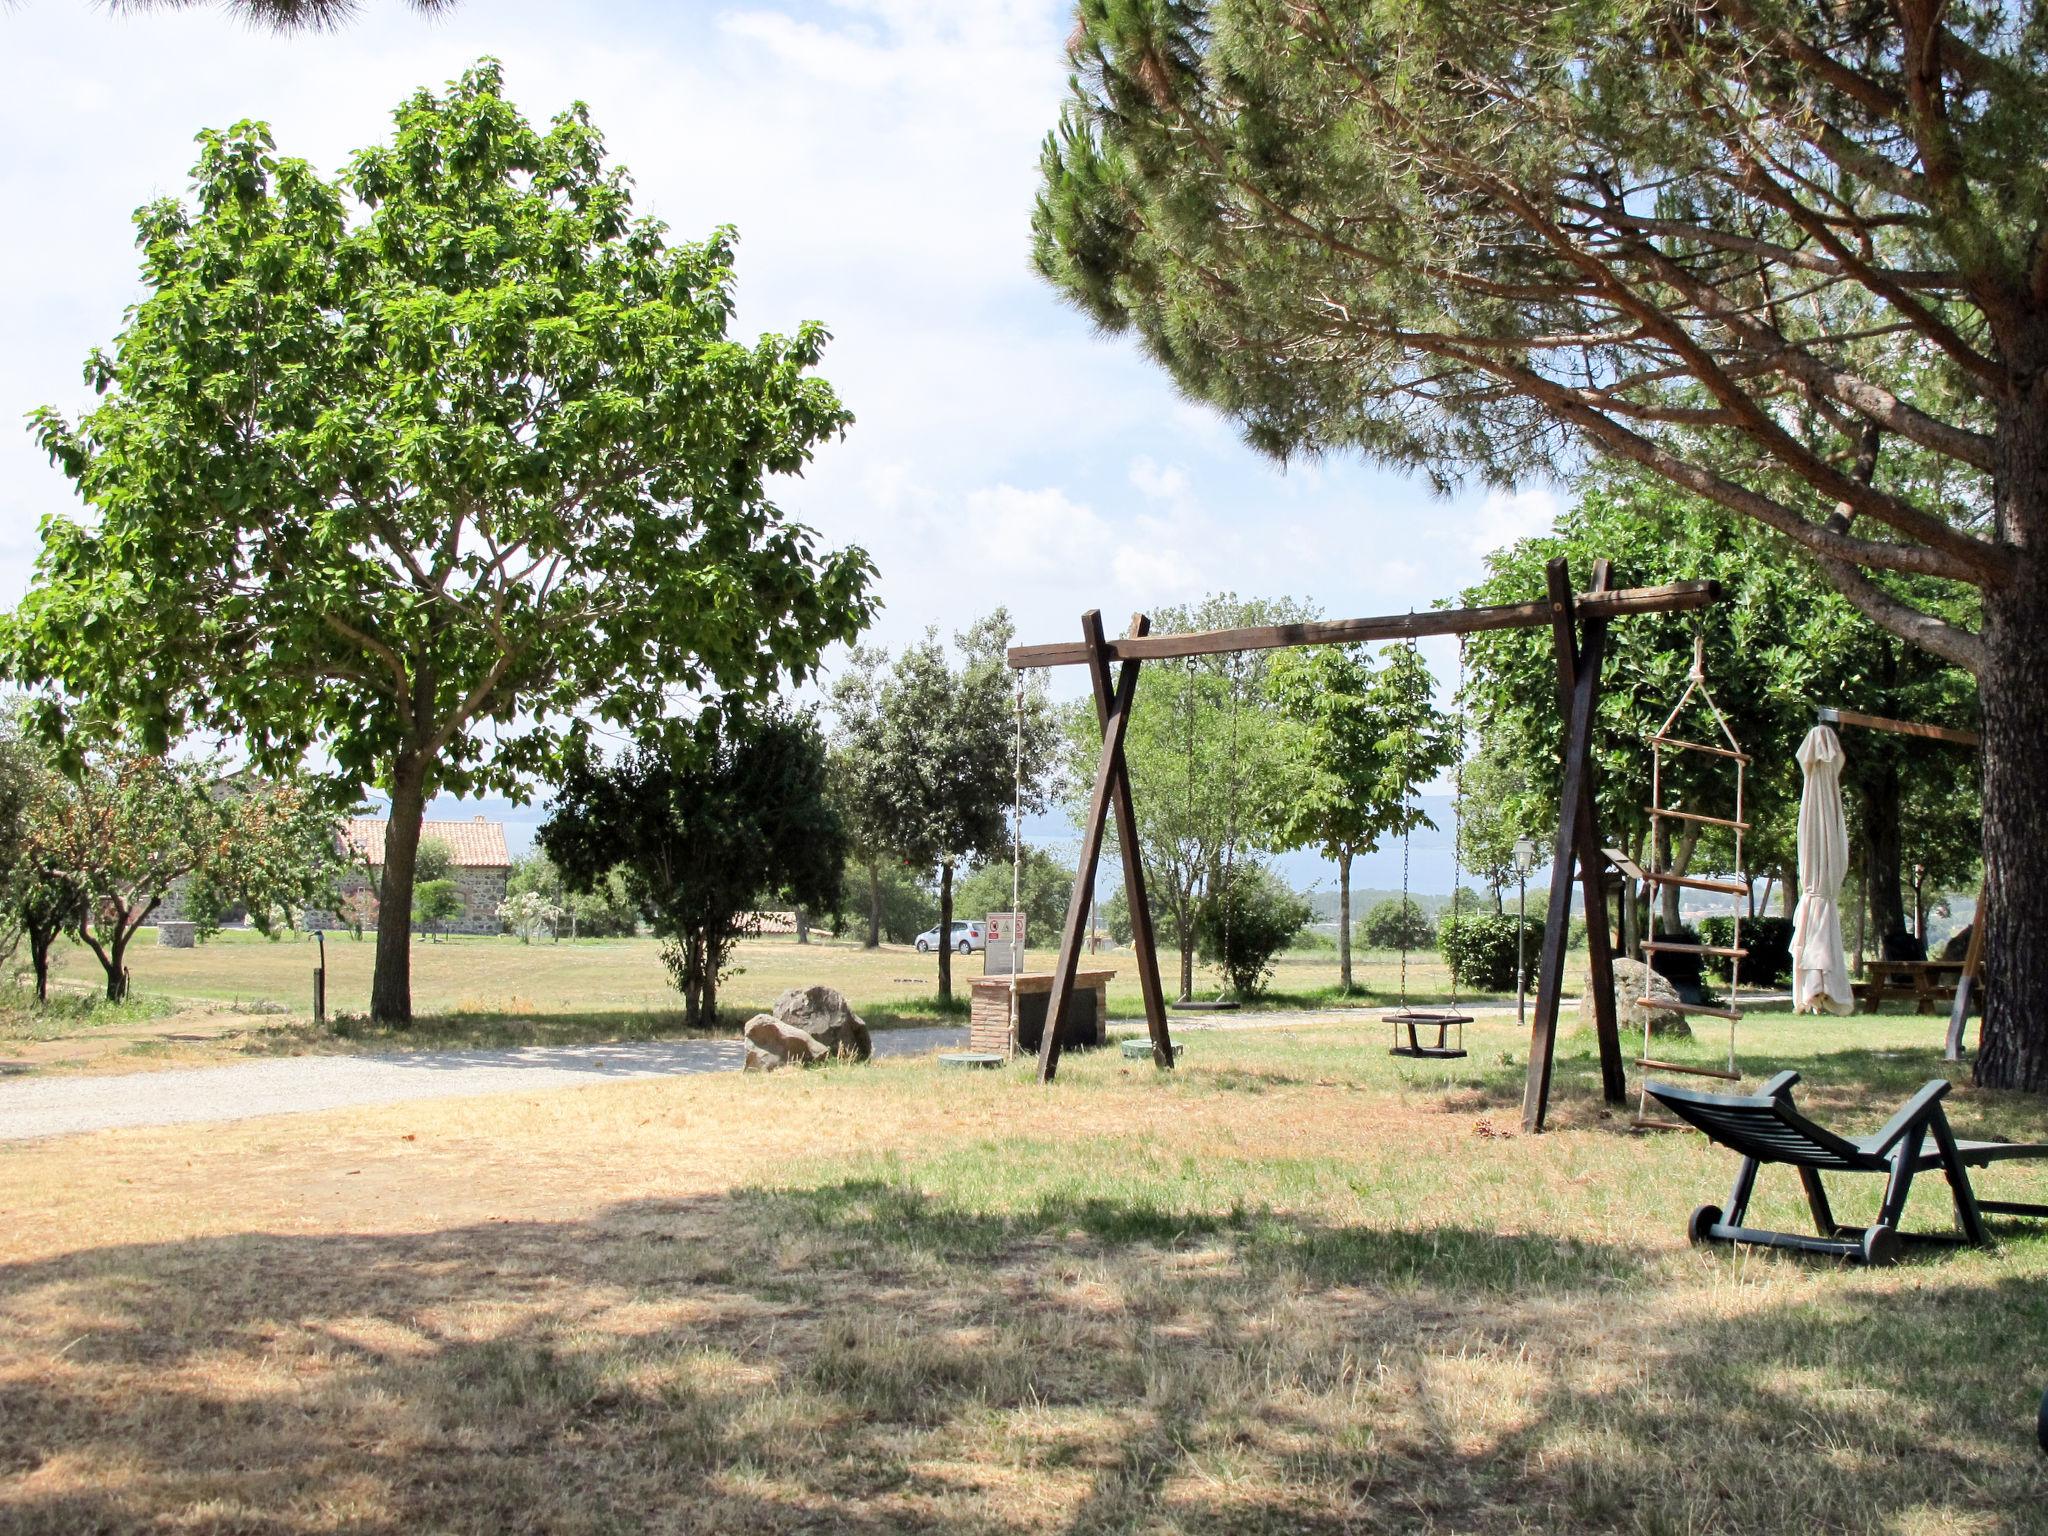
(1004, 955)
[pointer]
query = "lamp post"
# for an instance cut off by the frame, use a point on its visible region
(1525, 860)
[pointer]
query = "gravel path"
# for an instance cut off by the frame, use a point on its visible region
(293, 1085)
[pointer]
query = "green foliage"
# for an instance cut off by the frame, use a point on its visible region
(435, 860)
(434, 903)
(605, 911)
(903, 904)
(703, 819)
(1250, 920)
(1209, 771)
(530, 914)
(926, 755)
(425, 466)
(1396, 924)
(1047, 884)
(1768, 940)
(1480, 949)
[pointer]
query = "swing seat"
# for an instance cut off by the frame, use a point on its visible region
(1415, 1020)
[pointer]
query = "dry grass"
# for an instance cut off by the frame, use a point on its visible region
(1296, 1286)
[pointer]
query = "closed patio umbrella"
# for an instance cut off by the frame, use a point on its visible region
(1820, 971)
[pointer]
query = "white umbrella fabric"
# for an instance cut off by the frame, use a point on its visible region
(1820, 971)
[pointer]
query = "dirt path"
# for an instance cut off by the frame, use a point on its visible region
(58, 1106)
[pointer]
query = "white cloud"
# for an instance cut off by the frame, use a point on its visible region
(1157, 483)
(1506, 516)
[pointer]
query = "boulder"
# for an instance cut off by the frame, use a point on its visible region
(1629, 979)
(759, 1060)
(785, 1042)
(824, 1015)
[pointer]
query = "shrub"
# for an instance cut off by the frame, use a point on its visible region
(1263, 916)
(1480, 949)
(1768, 940)
(1396, 922)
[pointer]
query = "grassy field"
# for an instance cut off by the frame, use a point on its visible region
(240, 994)
(1295, 1286)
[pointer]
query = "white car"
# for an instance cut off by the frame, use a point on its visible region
(967, 938)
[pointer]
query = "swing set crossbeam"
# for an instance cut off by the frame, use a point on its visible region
(1676, 597)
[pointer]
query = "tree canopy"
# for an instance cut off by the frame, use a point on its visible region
(1789, 255)
(702, 821)
(421, 466)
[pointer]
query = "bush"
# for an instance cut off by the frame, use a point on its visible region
(1768, 940)
(1263, 916)
(1396, 922)
(1480, 949)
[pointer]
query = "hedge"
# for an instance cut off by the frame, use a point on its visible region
(1480, 949)
(1768, 940)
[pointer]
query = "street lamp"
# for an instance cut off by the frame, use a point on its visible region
(1525, 860)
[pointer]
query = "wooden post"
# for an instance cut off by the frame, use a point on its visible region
(1107, 772)
(1573, 800)
(1127, 840)
(1973, 962)
(1573, 641)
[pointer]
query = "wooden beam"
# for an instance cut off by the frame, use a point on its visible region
(1592, 640)
(1142, 939)
(1111, 767)
(1674, 598)
(1901, 727)
(1576, 753)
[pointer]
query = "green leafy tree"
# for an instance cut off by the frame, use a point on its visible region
(434, 904)
(702, 819)
(422, 466)
(936, 748)
(529, 914)
(1359, 743)
(860, 787)
(433, 860)
(1789, 256)
(887, 900)
(1780, 644)
(1497, 806)
(1046, 883)
(1396, 923)
(1208, 769)
(1245, 926)
(606, 910)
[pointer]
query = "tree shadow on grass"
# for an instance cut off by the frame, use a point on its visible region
(858, 1356)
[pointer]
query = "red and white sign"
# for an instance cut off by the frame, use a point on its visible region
(1006, 927)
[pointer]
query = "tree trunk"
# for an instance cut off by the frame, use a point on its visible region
(2013, 688)
(1877, 793)
(1662, 852)
(391, 985)
(1788, 891)
(946, 932)
(117, 952)
(803, 926)
(39, 956)
(708, 1003)
(874, 904)
(1344, 919)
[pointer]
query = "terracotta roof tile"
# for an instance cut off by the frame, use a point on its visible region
(476, 844)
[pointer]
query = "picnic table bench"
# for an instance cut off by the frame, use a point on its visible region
(1923, 983)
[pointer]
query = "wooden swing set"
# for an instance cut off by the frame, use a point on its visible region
(1578, 625)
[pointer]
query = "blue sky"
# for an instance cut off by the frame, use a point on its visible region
(878, 158)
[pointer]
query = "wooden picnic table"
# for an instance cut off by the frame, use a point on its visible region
(1924, 982)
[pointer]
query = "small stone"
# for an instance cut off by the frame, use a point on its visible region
(759, 1060)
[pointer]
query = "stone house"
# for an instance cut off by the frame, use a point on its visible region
(479, 865)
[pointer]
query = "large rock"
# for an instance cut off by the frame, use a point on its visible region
(759, 1060)
(823, 1014)
(785, 1042)
(1630, 977)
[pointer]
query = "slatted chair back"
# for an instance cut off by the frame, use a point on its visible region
(1765, 1127)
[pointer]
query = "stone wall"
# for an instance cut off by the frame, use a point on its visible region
(480, 890)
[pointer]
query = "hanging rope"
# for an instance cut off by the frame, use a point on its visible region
(1230, 827)
(1457, 818)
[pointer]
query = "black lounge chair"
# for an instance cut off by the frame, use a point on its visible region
(1766, 1128)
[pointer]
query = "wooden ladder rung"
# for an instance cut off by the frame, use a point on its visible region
(1700, 746)
(1669, 947)
(1688, 1069)
(1697, 883)
(1711, 821)
(1673, 1005)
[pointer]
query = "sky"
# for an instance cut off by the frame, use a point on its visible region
(879, 159)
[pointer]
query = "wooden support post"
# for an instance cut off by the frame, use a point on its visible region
(1573, 801)
(1127, 841)
(1573, 641)
(1107, 773)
